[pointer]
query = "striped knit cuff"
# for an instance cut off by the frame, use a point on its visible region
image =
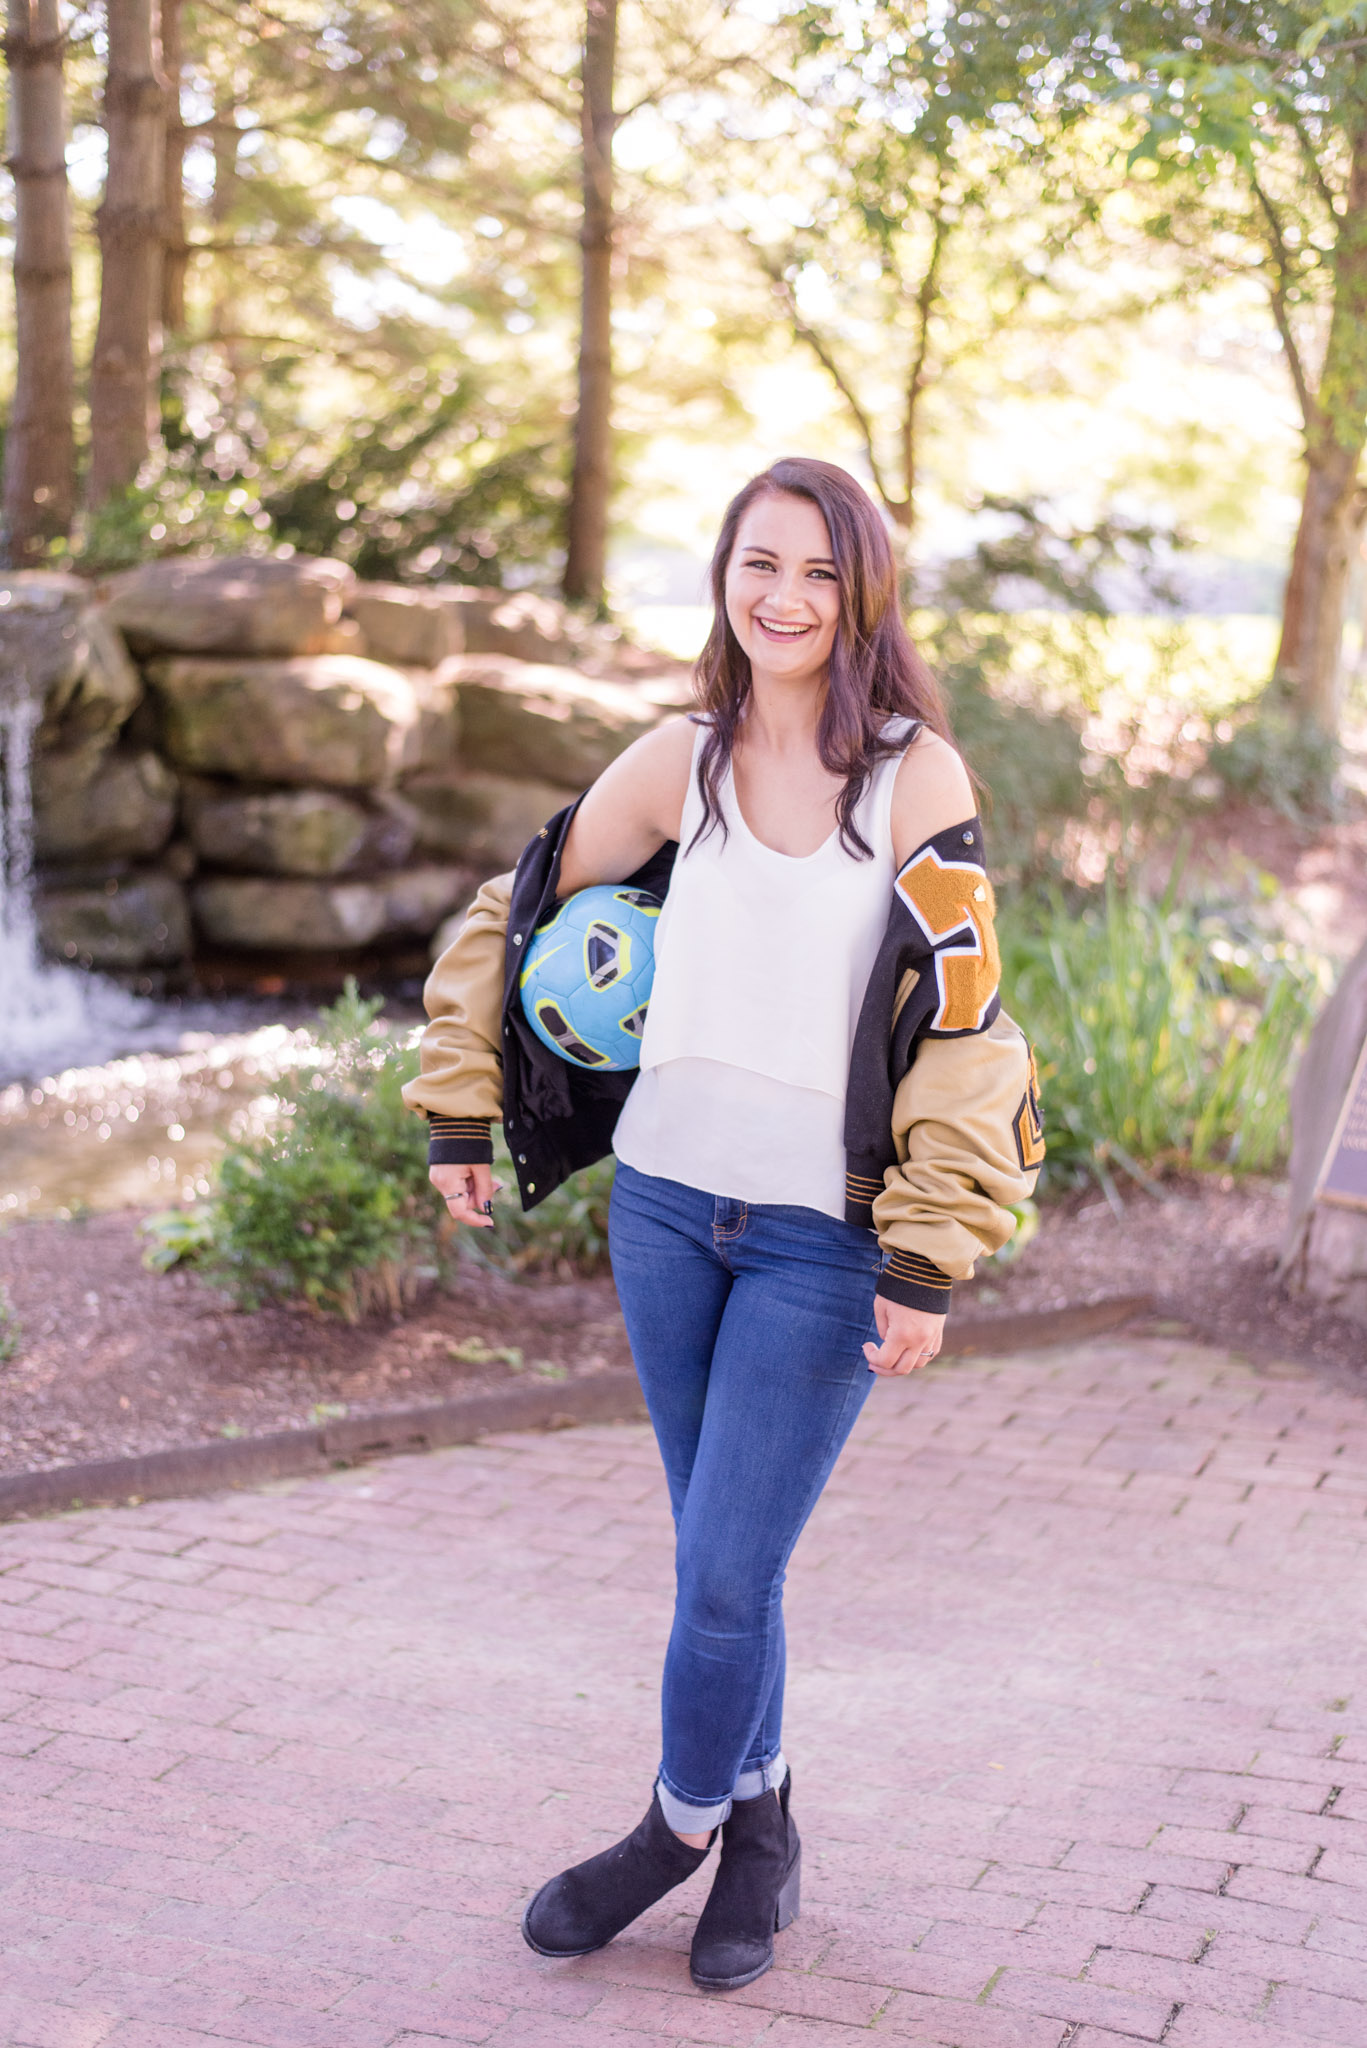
(915, 1283)
(459, 1141)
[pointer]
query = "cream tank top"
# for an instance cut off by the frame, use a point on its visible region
(761, 961)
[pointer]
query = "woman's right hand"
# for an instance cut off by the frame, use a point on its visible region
(468, 1192)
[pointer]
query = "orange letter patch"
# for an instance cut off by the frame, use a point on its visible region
(1029, 1124)
(946, 897)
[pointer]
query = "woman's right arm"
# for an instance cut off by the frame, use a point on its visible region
(632, 809)
(460, 1080)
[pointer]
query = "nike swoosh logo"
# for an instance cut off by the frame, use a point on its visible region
(538, 964)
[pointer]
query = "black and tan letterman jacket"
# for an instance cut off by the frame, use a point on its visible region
(942, 1121)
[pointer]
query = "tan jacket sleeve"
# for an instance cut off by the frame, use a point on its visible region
(461, 1075)
(965, 1122)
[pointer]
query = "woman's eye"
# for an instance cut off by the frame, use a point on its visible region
(759, 565)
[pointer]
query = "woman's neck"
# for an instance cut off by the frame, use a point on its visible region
(782, 717)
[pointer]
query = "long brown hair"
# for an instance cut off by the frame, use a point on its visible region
(875, 672)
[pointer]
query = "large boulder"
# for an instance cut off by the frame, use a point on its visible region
(330, 719)
(135, 921)
(411, 628)
(110, 805)
(233, 604)
(437, 693)
(551, 724)
(485, 820)
(246, 913)
(528, 627)
(58, 649)
(294, 831)
(1324, 1252)
(519, 624)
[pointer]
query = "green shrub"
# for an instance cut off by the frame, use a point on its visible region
(176, 1237)
(332, 1204)
(1166, 1036)
(1275, 755)
(1030, 763)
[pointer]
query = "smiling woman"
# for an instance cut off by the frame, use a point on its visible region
(830, 1122)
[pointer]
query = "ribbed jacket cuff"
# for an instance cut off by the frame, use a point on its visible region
(459, 1141)
(916, 1283)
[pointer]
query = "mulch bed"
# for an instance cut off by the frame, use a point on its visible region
(1207, 1252)
(116, 1360)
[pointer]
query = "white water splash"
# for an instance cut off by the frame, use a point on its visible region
(54, 1018)
(48, 1015)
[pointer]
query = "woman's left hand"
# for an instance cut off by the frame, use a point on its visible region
(910, 1337)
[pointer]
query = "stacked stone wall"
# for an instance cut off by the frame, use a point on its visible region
(269, 758)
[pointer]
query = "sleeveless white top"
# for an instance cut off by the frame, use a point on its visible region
(761, 961)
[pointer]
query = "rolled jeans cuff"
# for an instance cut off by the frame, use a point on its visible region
(687, 1819)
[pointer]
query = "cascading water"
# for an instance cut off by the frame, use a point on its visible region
(49, 1016)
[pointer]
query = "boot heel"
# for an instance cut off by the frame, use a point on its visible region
(790, 1898)
(755, 1893)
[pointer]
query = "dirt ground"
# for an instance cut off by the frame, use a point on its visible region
(1206, 1252)
(113, 1359)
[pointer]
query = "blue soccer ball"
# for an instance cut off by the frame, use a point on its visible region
(586, 978)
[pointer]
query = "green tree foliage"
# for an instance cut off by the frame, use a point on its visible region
(920, 190)
(1252, 118)
(371, 360)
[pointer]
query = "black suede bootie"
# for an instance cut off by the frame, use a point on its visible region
(754, 1894)
(587, 1905)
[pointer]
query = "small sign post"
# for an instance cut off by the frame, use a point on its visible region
(1343, 1177)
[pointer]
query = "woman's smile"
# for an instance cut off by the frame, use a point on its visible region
(777, 631)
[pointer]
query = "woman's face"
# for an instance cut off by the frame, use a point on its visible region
(782, 594)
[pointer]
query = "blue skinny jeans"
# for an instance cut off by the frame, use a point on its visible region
(747, 1324)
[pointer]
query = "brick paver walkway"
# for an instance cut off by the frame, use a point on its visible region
(1076, 1716)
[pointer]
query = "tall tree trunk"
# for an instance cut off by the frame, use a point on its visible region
(124, 371)
(1331, 510)
(222, 204)
(919, 374)
(175, 258)
(40, 448)
(591, 484)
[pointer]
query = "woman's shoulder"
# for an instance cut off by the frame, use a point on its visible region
(932, 791)
(649, 781)
(665, 753)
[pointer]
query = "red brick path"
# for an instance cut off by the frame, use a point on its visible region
(1076, 1716)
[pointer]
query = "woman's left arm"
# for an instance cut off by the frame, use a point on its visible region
(965, 1117)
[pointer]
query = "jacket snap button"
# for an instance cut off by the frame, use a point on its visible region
(522, 1159)
(968, 839)
(531, 1187)
(517, 938)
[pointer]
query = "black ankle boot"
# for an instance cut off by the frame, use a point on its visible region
(754, 1894)
(585, 1906)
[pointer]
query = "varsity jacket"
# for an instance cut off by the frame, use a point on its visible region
(942, 1125)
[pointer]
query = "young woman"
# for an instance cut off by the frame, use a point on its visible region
(831, 1119)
